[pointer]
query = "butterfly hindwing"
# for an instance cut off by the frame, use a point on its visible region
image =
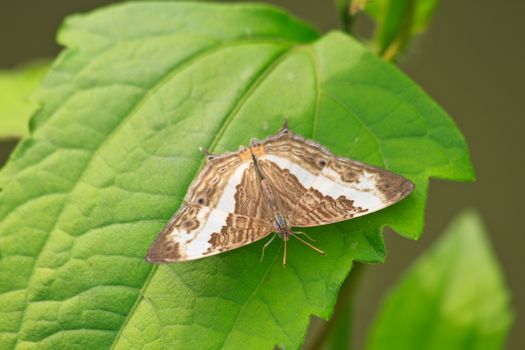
(286, 188)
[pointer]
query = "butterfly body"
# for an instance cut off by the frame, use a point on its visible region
(280, 223)
(278, 183)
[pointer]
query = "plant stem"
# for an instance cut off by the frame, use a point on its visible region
(346, 297)
(345, 17)
(348, 9)
(404, 33)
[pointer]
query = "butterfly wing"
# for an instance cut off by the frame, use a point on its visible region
(222, 210)
(327, 188)
(346, 189)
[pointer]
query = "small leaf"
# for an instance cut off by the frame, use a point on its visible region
(397, 21)
(138, 89)
(453, 297)
(15, 87)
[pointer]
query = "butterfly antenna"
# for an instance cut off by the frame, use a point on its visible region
(266, 245)
(285, 125)
(307, 236)
(308, 244)
(209, 156)
(284, 256)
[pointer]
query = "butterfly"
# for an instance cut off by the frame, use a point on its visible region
(281, 182)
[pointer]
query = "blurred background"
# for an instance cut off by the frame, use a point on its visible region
(471, 61)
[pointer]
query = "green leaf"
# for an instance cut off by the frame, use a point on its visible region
(15, 87)
(453, 297)
(397, 21)
(115, 146)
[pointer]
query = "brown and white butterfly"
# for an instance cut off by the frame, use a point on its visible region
(281, 182)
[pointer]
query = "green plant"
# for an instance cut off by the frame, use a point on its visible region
(114, 146)
(461, 301)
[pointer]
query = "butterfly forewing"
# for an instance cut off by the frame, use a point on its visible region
(331, 188)
(222, 210)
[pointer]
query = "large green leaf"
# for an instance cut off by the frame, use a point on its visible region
(453, 297)
(114, 147)
(15, 87)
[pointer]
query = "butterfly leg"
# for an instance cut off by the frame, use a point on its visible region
(284, 256)
(266, 245)
(307, 236)
(308, 244)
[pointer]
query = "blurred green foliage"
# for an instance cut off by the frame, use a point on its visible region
(15, 87)
(453, 297)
